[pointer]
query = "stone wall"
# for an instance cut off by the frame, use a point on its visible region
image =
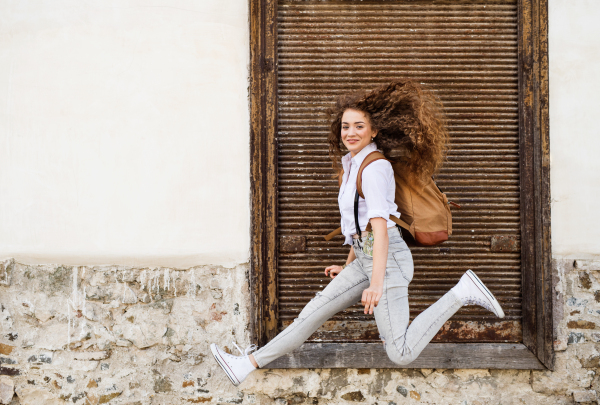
(122, 335)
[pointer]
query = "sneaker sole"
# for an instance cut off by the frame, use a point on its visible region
(487, 293)
(221, 362)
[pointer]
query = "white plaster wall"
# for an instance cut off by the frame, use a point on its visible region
(574, 42)
(124, 132)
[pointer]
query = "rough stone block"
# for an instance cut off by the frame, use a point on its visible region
(581, 324)
(95, 312)
(576, 337)
(355, 396)
(584, 396)
(589, 355)
(9, 371)
(551, 383)
(144, 325)
(6, 321)
(91, 355)
(7, 390)
(6, 349)
(97, 293)
(105, 399)
(59, 282)
(41, 358)
(426, 371)
(123, 343)
(438, 380)
(84, 365)
(37, 396)
(471, 374)
(129, 296)
(584, 280)
(53, 335)
(6, 269)
(560, 345)
(43, 314)
(587, 264)
(575, 302)
(591, 362)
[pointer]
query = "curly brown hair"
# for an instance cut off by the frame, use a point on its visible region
(405, 116)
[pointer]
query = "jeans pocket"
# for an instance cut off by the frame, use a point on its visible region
(404, 261)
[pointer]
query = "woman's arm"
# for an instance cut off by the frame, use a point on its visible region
(372, 295)
(333, 271)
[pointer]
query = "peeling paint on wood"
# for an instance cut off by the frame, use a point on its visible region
(505, 243)
(292, 244)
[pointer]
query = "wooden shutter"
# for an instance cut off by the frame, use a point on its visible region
(467, 52)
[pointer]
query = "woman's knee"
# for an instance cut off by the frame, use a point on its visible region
(400, 357)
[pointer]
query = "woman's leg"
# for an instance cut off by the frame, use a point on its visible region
(404, 343)
(343, 291)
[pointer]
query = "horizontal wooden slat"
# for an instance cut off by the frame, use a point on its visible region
(435, 355)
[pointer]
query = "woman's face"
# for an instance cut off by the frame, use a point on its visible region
(356, 131)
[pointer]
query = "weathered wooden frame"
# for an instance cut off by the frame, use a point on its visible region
(536, 352)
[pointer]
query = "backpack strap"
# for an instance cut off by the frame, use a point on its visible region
(370, 158)
(333, 234)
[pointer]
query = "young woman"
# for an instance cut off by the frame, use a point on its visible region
(379, 266)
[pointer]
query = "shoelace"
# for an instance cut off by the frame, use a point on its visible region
(478, 301)
(248, 350)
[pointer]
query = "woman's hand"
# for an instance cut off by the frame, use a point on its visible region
(371, 297)
(333, 271)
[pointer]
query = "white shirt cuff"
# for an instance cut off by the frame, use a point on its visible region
(378, 214)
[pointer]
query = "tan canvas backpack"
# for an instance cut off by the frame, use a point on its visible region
(425, 213)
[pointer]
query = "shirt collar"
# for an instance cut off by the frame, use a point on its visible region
(360, 156)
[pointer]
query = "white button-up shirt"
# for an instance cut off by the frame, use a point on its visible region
(379, 189)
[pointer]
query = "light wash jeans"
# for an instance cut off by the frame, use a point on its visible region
(403, 343)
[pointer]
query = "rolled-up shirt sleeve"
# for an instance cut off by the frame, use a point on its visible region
(378, 186)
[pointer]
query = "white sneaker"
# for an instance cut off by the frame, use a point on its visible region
(237, 368)
(472, 291)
